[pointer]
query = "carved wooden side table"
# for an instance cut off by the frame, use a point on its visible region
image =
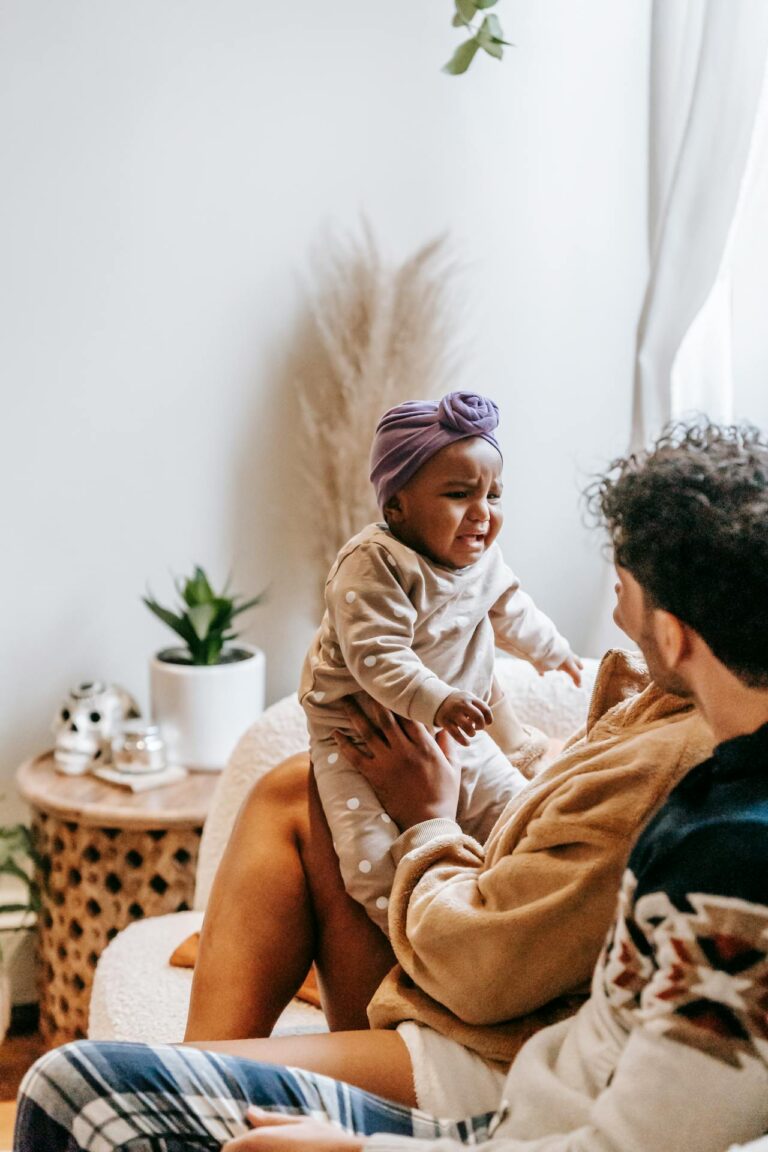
(108, 857)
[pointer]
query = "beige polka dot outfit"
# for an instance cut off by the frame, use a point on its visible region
(409, 633)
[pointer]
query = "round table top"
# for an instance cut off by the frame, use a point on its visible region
(89, 801)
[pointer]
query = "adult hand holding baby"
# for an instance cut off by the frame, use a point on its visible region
(409, 770)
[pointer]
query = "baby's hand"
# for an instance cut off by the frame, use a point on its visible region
(461, 715)
(572, 667)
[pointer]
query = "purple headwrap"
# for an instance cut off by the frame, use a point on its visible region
(408, 435)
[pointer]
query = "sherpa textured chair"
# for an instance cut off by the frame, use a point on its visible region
(136, 994)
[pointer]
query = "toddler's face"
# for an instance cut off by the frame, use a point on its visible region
(450, 510)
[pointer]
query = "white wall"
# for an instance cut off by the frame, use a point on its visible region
(166, 167)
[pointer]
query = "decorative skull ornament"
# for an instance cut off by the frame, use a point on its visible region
(89, 717)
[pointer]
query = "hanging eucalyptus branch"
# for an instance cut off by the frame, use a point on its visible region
(486, 34)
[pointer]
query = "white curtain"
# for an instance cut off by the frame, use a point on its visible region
(708, 134)
(708, 117)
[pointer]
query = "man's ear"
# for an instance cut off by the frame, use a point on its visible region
(393, 510)
(673, 638)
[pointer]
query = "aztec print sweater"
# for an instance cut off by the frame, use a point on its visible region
(671, 1049)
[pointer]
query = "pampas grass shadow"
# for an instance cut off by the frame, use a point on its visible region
(386, 334)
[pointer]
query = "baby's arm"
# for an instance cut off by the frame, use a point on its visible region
(523, 630)
(374, 621)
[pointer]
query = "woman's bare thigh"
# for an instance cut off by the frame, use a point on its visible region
(277, 904)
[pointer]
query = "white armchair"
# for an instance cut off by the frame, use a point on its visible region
(136, 994)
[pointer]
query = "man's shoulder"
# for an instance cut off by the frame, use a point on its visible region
(712, 833)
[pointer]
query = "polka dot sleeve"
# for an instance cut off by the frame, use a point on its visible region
(522, 629)
(374, 621)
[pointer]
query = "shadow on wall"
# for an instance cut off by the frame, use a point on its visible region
(274, 529)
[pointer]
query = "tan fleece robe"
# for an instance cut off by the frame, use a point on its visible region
(487, 936)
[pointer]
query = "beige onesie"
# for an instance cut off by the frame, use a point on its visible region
(409, 632)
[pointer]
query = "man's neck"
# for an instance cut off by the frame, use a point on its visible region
(730, 707)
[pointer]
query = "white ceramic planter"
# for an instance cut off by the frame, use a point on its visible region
(203, 711)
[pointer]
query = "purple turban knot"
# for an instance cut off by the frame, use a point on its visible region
(410, 434)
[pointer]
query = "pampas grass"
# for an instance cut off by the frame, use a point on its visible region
(386, 336)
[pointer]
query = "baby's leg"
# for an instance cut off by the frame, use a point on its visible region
(362, 832)
(522, 744)
(488, 783)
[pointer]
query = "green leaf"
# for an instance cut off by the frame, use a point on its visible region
(492, 25)
(458, 20)
(492, 48)
(11, 831)
(180, 624)
(212, 650)
(222, 619)
(207, 619)
(462, 58)
(482, 4)
(223, 605)
(466, 9)
(11, 868)
(14, 908)
(17, 836)
(10, 851)
(201, 617)
(198, 590)
(487, 39)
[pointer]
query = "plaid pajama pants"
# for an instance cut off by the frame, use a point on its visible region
(101, 1097)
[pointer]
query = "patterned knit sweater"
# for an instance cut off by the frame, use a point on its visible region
(671, 1049)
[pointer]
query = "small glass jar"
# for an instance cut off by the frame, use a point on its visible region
(138, 747)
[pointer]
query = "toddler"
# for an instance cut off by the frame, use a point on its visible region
(414, 609)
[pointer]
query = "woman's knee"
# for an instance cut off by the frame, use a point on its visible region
(282, 789)
(113, 1095)
(52, 1094)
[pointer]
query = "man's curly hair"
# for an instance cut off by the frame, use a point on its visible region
(689, 520)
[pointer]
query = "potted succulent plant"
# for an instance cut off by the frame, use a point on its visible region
(18, 913)
(205, 693)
